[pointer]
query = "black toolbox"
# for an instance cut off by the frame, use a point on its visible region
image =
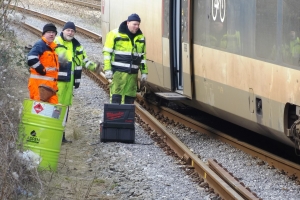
(118, 124)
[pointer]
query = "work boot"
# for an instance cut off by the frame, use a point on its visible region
(64, 140)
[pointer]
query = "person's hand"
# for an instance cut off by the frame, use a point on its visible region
(41, 70)
(62, 59)
(98, 67)
(108, 74)
(144, 77)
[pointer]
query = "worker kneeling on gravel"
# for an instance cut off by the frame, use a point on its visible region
(72, 57)
(124, 53)
(43, 62)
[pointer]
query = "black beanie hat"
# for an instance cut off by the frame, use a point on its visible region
(134, 17)
(49, 27)
(70, 25)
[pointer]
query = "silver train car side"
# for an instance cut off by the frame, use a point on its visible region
(235, 59)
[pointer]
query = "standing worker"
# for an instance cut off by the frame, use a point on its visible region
(124, 53)
(44, 66)
(72, 57)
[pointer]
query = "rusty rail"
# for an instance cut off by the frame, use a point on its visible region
(82, 3)
(57, 21)
(232, 181)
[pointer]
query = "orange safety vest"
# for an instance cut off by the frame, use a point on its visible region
(49, 60)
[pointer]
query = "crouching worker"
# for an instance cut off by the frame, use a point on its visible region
(124, 53)
(72, 57)
(44, 66)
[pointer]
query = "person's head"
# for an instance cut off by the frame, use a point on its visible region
(69, 31)
(133, 23)
(49, 32)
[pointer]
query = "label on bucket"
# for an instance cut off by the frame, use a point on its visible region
(33, 137)
(46, 110)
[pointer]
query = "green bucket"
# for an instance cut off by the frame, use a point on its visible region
(41, 130)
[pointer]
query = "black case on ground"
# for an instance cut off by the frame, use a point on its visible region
(118, 124)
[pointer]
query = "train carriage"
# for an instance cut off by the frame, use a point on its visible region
(235, 59)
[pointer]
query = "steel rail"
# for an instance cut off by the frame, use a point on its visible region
(57, 21)
(31, 29)
(82, 3)
(225, 175)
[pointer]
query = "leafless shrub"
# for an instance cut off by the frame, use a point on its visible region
(16, 181)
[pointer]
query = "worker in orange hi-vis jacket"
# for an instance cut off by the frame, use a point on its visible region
(44, 67)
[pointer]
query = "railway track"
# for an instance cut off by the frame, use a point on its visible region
(290, 168)
(83, 3)
(79, 29)
(217, 178)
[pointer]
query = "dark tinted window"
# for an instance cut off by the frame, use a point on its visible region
(266, 25)
(290, 48)
(217, 24)
(200, 20)
(231, 39)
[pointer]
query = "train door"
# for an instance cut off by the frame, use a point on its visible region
(177, 47)
(186, 46)
(180, 46)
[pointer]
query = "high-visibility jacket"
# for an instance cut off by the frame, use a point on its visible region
(290, 52)
(123, 55)
(70, 71)
(43, 56)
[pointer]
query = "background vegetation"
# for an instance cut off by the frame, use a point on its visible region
(16, 181)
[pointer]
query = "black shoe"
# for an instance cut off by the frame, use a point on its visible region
(64, 140)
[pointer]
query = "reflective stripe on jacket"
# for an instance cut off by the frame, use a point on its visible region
(120, 54)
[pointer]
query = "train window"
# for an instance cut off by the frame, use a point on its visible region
(200, 20)
(266, 26)
(231, 39)
(290, 48)
(218, 24)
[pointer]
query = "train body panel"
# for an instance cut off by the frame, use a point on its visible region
(235, 59)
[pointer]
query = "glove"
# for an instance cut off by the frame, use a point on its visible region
(108, 74)
(144, 77)
(62, 58)
(90, 65)
(41, 70)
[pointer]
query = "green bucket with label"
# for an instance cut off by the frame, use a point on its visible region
(41, 130)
